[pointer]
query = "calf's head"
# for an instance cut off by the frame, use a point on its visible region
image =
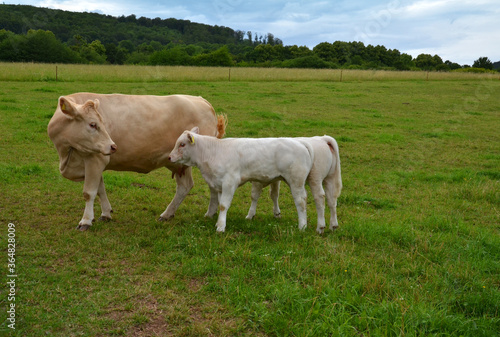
(182, 152)
(84, 128)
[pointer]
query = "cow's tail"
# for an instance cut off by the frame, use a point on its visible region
(221, 125)
(221, 121)
(337, 178)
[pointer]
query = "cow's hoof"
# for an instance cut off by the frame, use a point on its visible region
(104, 218)
(165, 219)
(277, 215)
(82, 228)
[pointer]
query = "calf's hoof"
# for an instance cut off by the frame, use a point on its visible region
(104, 218)
(165, 219)
(82, 227)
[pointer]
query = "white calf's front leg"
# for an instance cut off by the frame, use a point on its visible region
(225, 199)
(256, 191)
(184, 184)
(106, 209)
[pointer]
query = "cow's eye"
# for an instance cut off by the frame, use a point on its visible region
(182, 145)
(93, 125)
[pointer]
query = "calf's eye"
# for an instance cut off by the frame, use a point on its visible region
(182, 145)
(93, 125)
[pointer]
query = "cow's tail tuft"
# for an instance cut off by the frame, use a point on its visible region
(221, 125)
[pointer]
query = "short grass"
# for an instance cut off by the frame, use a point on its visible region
(417, 252)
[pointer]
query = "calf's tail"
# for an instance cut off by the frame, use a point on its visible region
(337, 178)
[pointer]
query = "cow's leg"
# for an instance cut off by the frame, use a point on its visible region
(319, 199)
(225, 199)
(93, 178)
(184, 184)
(256, 191)
(331, 198)
(106, 209)
(274, 193)
(214, 203)
(300, 198)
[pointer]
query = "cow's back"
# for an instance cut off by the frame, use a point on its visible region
(145, 127)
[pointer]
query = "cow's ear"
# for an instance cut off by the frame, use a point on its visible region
(195, 130)
(96, 104)
(67, 107)
(190, 137)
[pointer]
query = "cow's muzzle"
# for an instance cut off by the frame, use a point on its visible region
(112, 149)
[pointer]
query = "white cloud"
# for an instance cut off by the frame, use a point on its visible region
(82, 6)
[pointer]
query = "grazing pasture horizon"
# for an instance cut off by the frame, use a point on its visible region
(417, 252)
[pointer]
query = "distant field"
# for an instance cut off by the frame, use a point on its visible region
(107, 73)
(417, 252)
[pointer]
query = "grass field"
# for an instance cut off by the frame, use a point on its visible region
(417, 252)
(106, 73)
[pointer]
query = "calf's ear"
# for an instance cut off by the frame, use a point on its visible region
(67, 107)
(195, 130)
(190, 137)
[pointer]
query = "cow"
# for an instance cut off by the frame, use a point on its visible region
(325, 171)
(228, 163)
(97, 132)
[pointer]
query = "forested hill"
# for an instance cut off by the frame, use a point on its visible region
(33, 34)
(108, 29)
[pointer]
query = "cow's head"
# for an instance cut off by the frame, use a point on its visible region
(85, 130)
(183, 147)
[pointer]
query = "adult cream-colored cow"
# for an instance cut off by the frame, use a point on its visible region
(95, 132)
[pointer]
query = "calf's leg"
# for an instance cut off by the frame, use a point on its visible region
(256, 191)
(225, 199)
(300, 198)
(214, 203)
(319, 200)
(332, 194)
(274, 193)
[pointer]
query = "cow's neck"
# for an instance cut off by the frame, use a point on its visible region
(66, 158)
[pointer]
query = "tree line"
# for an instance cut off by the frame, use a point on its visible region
(56, 36)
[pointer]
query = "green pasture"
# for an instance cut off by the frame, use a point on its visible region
(417, 252)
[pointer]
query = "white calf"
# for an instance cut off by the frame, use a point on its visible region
(325, 171)
(228, 163)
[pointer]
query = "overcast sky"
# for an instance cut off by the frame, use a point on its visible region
(457, 30)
